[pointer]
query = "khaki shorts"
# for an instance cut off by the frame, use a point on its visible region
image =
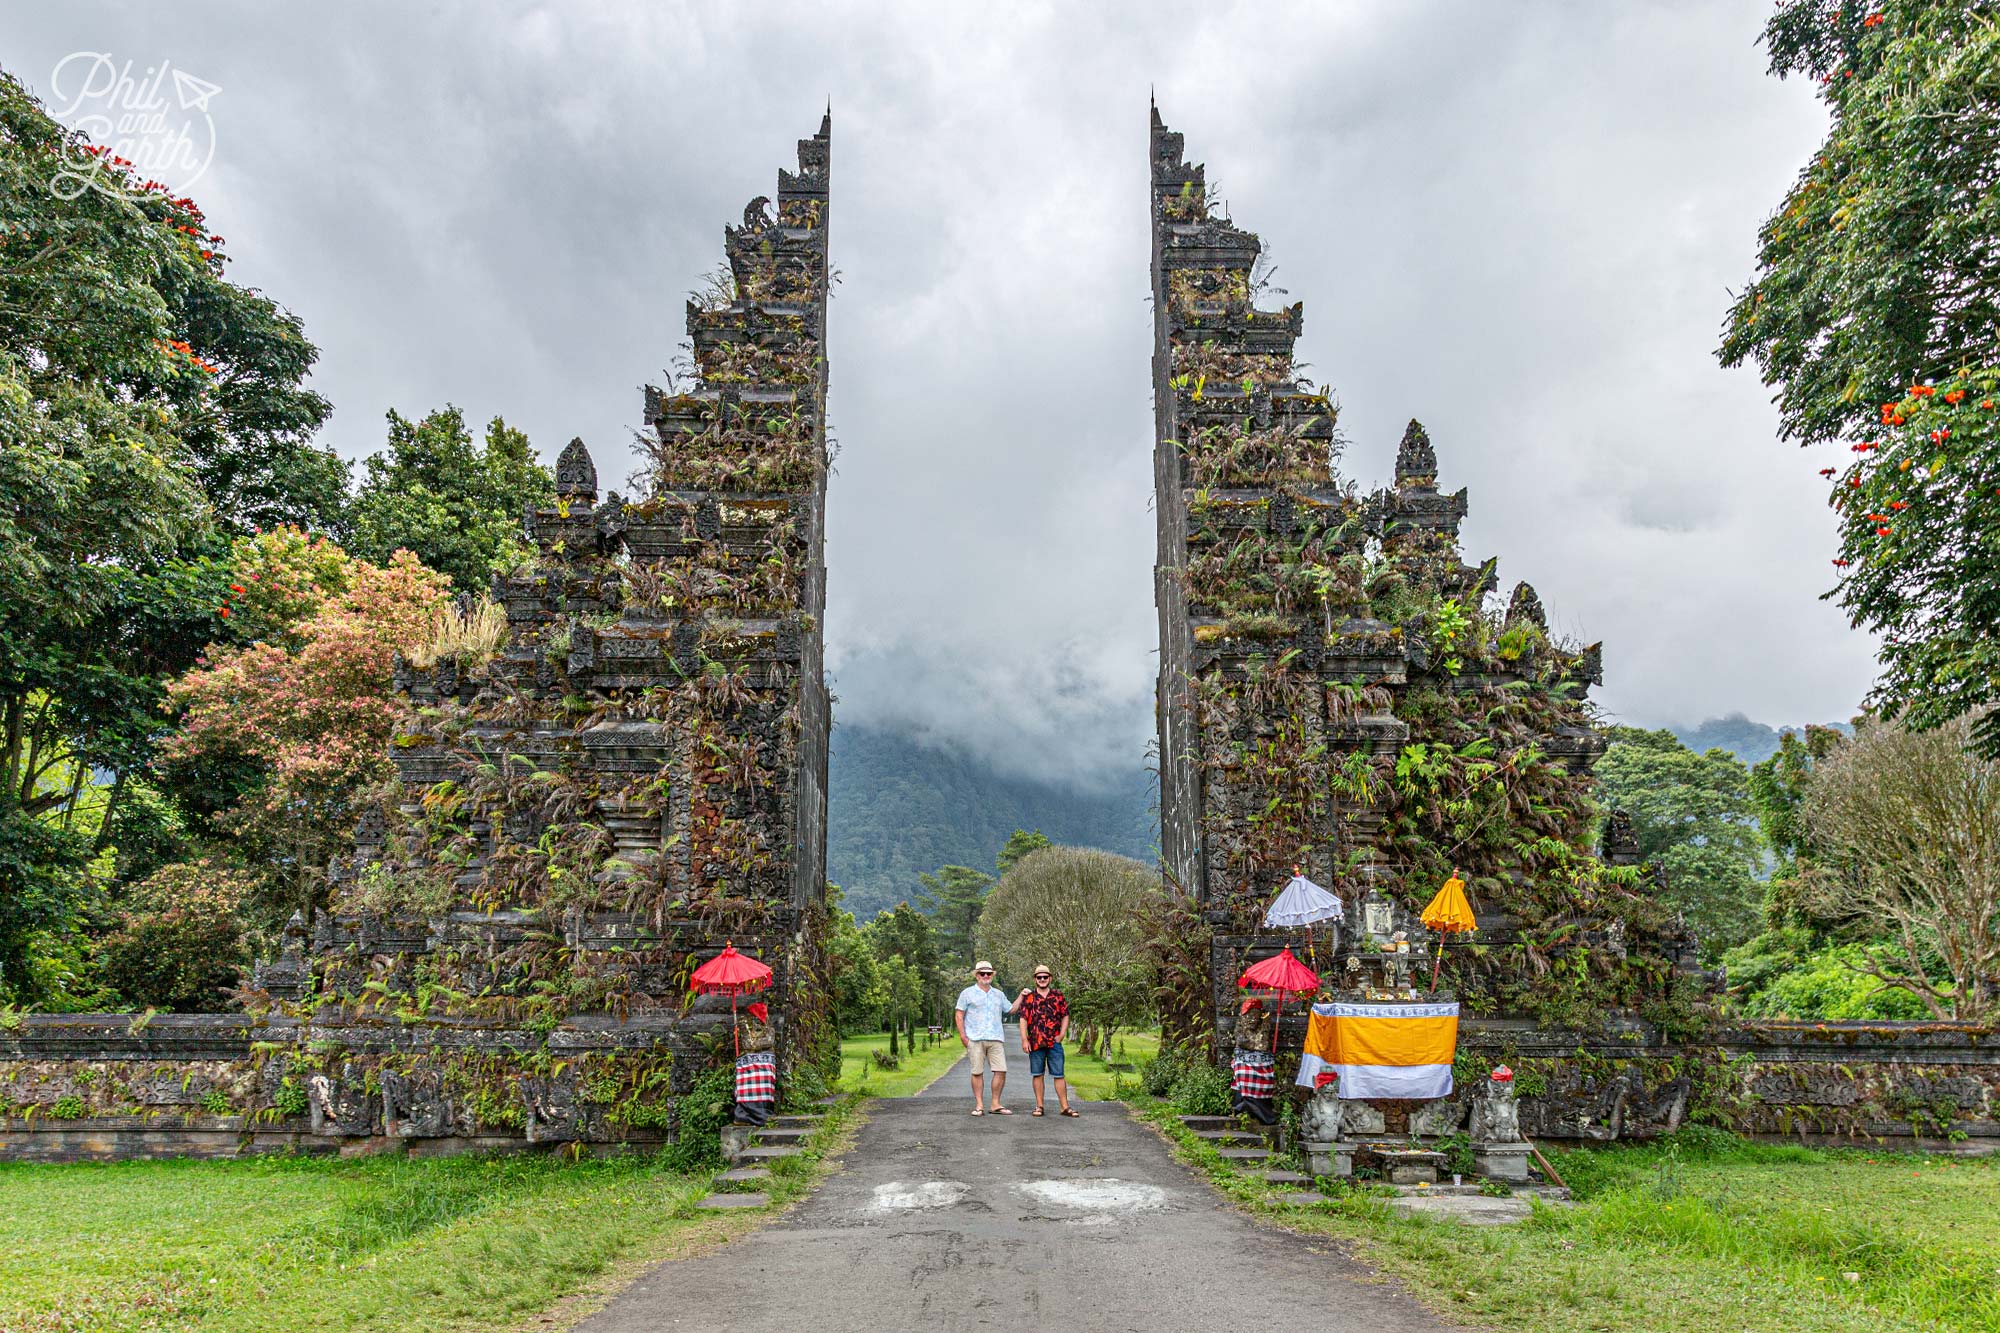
(987, 1055)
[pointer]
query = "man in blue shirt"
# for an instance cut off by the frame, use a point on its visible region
(979, 1009)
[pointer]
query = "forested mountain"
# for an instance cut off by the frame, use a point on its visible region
(897, 807)
(1752, 742)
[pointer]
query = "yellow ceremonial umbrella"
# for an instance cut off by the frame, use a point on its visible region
(1448, 913)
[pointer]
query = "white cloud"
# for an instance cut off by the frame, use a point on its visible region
(1517, 224)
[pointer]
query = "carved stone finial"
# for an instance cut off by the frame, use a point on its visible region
(1526, 605)
(1416, 461)
(575, 473)
(757, 214)
(1620, 845)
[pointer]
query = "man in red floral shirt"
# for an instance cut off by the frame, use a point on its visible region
(1044, 1025)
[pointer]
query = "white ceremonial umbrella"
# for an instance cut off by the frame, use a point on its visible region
(1300, 903)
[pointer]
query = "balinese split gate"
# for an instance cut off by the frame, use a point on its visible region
(636, 775)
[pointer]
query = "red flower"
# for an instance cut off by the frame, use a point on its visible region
(1922, 390)
(1826, 472)
(1883, 531)
(1872, 21)
(237, 587)
(1842, 563)
(1896, 420)
(1955, 396)
(222, 611)
(1986, 404)
(1854, 481)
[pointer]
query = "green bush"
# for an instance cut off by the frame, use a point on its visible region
(1201, 1089)
(1827, 987)
(179, 944)
(804, 1088)
(700, 1115)
(67, 1108)
(1157, 1075)
(884, 1060)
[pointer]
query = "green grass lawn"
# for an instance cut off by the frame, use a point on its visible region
(1094, 1080)
(858, 1072)
(1700, 1232)
(312, 1243)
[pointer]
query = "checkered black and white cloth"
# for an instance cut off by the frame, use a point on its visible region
(757, 1077)
(1255, 1074)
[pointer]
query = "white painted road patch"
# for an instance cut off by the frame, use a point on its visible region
(905, 1196)
(1095, 1196)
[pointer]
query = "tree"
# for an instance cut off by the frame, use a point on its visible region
(858, 993)
(952, 898)
(147, 408)
(112, 289)
(1874, 312)
(1909, 827)
(42, 889)
(1020, 843)
(458, 508)
(314, 712)
(1080, 911)
(903, 932)
(1692, 816)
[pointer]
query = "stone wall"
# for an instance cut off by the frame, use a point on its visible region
(633, 778)
(1934, 1085)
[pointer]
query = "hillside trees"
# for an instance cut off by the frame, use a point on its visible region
(1874, 313)
(1693, 819)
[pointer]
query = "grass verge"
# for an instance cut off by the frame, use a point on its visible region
(1698, 1231)
(324, 1244)
(1094, 1079)
(860, 1074)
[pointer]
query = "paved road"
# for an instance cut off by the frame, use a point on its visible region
(941, 1221)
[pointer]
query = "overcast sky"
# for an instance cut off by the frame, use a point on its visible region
(1517, 223)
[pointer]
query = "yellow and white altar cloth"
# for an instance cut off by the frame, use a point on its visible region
(1382, 1050)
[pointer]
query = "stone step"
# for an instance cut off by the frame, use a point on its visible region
(774, 1134)
(1299, 1198)
(1244, 1154)
(1286, 1178)
(1220, 1136)
(795, 1122)
(744, 1175)
(1199, 1122)
(766, 1154)
(719, 1201)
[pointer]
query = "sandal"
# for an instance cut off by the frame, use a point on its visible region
(1001, 1110)
(977, 1111)
(1066, 1111)
(1036, 1111)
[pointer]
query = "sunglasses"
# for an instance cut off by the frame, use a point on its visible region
(987, 973)
(1041, 976)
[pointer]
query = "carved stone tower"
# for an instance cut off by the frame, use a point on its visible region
(1334, 693)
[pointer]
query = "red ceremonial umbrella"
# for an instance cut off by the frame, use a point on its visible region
(730, 973)
(1282, 973)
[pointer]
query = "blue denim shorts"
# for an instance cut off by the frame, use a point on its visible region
(1048, 1061)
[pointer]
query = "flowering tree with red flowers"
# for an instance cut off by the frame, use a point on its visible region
(1920, 550)
(1876, 315)
(314, 710)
